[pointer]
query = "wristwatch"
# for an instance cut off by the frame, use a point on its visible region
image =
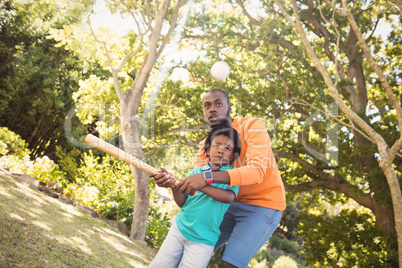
(208, 177)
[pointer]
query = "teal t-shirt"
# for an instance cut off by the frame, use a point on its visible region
(200, 217)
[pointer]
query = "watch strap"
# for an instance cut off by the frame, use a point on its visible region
(208, 177)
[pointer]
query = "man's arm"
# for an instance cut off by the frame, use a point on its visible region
(221, 195)
(258, 157)
(196, 182)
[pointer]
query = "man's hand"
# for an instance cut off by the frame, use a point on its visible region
(192, 183)
(163, 178)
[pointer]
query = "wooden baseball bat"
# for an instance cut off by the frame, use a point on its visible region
(121, 155)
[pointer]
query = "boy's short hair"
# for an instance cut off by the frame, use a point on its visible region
(227, 131)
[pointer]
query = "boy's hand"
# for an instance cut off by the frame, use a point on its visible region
(192, 184)
(163, 178)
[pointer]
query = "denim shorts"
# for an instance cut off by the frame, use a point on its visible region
(246, 228)
(177, 251)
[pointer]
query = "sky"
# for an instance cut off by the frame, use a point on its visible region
(102, 17)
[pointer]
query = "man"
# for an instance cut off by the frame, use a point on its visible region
(255, 214)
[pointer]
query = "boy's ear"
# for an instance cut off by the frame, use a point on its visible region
(207, 153)
(232, 157)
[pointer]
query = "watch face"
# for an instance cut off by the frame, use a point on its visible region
(208, 175)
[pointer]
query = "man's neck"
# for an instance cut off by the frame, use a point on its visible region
(228, 122)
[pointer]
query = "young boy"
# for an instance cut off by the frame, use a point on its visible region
(195, 230)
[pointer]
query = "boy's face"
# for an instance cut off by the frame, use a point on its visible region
(221, 151)
(215, 107)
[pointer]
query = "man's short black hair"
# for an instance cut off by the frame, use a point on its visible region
(221, 91)
(227, 131)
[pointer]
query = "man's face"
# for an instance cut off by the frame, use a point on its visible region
(215, 107)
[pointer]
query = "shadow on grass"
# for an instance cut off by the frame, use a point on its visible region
(37, 230)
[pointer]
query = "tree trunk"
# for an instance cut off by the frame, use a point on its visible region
(396, 194)
(132, 145)
(141, 204)
(384, 217)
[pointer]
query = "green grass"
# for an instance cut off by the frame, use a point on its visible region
(40, 231)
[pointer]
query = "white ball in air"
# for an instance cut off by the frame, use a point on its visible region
(220, 70)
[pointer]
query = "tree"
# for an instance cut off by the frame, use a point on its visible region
(37, 78)
(353, 108)
(130, 73)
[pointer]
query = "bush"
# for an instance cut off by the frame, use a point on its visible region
(350, 239)
(112, 180)
(68, 162)
(290, 246)
(14, 155)
(3, 148)
(118, 207)
(286, 245)
(285, 262)
(12, 144)
(42, 168)
(275, 241)
(158, 225)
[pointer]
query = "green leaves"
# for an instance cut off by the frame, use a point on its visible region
(36, 79)
(354, 240)
(11, 143)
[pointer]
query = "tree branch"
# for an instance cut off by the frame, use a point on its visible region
(326, 181)
(336, 118)
(245, 12)
(338, 66)
(144, 20)
(397, 2)
(398, 144)
(173, 21)
(331, 87)
(131, 54)
(113, 71)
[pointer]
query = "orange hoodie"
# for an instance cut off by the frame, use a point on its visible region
(255, 170)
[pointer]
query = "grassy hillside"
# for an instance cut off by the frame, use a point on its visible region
(39, 231)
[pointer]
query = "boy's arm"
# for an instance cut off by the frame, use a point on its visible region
(179, 197)
(221, 195)
(165, 179)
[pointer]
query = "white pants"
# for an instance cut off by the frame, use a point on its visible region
(177, 251)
